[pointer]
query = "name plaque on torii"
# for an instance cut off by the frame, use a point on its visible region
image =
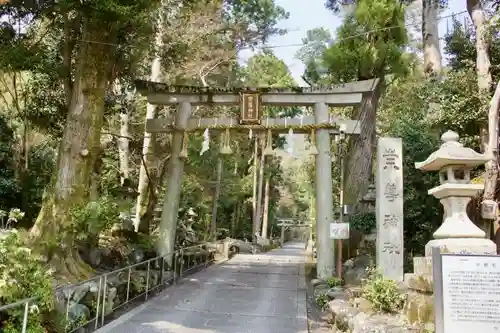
(250, 111)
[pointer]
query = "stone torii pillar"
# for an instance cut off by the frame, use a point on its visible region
(324, 196)
(174, 179)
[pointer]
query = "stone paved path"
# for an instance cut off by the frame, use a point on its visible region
(261, 293)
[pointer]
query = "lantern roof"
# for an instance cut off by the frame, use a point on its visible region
(452, 152)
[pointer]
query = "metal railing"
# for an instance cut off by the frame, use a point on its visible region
(169, 269)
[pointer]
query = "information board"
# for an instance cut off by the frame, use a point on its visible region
(340, 231)
(467, 293)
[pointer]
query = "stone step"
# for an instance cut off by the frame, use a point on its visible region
(422, 265)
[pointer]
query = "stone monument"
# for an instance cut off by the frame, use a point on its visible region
(389, 208)
(457, 233)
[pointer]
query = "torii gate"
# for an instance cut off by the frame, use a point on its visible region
(286, 223)
(250, 101)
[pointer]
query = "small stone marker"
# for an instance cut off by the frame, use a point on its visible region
(389, 208)
(466, 292)
(339, 230)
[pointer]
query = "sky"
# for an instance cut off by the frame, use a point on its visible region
(310, 14)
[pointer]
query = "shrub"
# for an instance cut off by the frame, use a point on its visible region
(334, 282)
(23, 274)
(363, 222)
(322, 300)
(95, 217)
(383, 293)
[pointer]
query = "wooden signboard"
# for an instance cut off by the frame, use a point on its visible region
(250, 108)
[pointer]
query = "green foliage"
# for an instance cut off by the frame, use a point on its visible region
(404, 110)
(263, 14)
(322, 300)
(334, 282)
(266, 70)
(383, 294)
(363, 222)
(95, 217)
(23, 274)
(460, 45)
(9, 185)
(7, 219)
(370, 43)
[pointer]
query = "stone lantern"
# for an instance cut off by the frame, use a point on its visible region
(457, 234)
(368, 200)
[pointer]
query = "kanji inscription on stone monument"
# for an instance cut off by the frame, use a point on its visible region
(390, 159)
(391, 192)
(391, 220)
(389, 208)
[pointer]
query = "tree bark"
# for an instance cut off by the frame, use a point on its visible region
(254, 188)
(142, 188)
(260, 182)
(359, 160)
(489, 132)
(265, 215)
(123, 147)
(491, 167)
(235, 218)
(79, 148)
(213, 224)
(430, 38)
(483, 64)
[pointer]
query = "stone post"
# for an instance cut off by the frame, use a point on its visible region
(282, 236)
(226, 245)
(168, 221)
(324, 196)
(389, 208)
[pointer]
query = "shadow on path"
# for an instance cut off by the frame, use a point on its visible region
(260, 293)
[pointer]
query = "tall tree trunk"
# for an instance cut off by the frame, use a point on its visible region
(255, 177)
(490, 182)
(123, 146)
(258, 210)
(142, 188)
(483, 64)
(359, 160)
(430, 38)
(78, 151)
(489, 132)
(265, 215)
(215, 205)
(235, 219)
